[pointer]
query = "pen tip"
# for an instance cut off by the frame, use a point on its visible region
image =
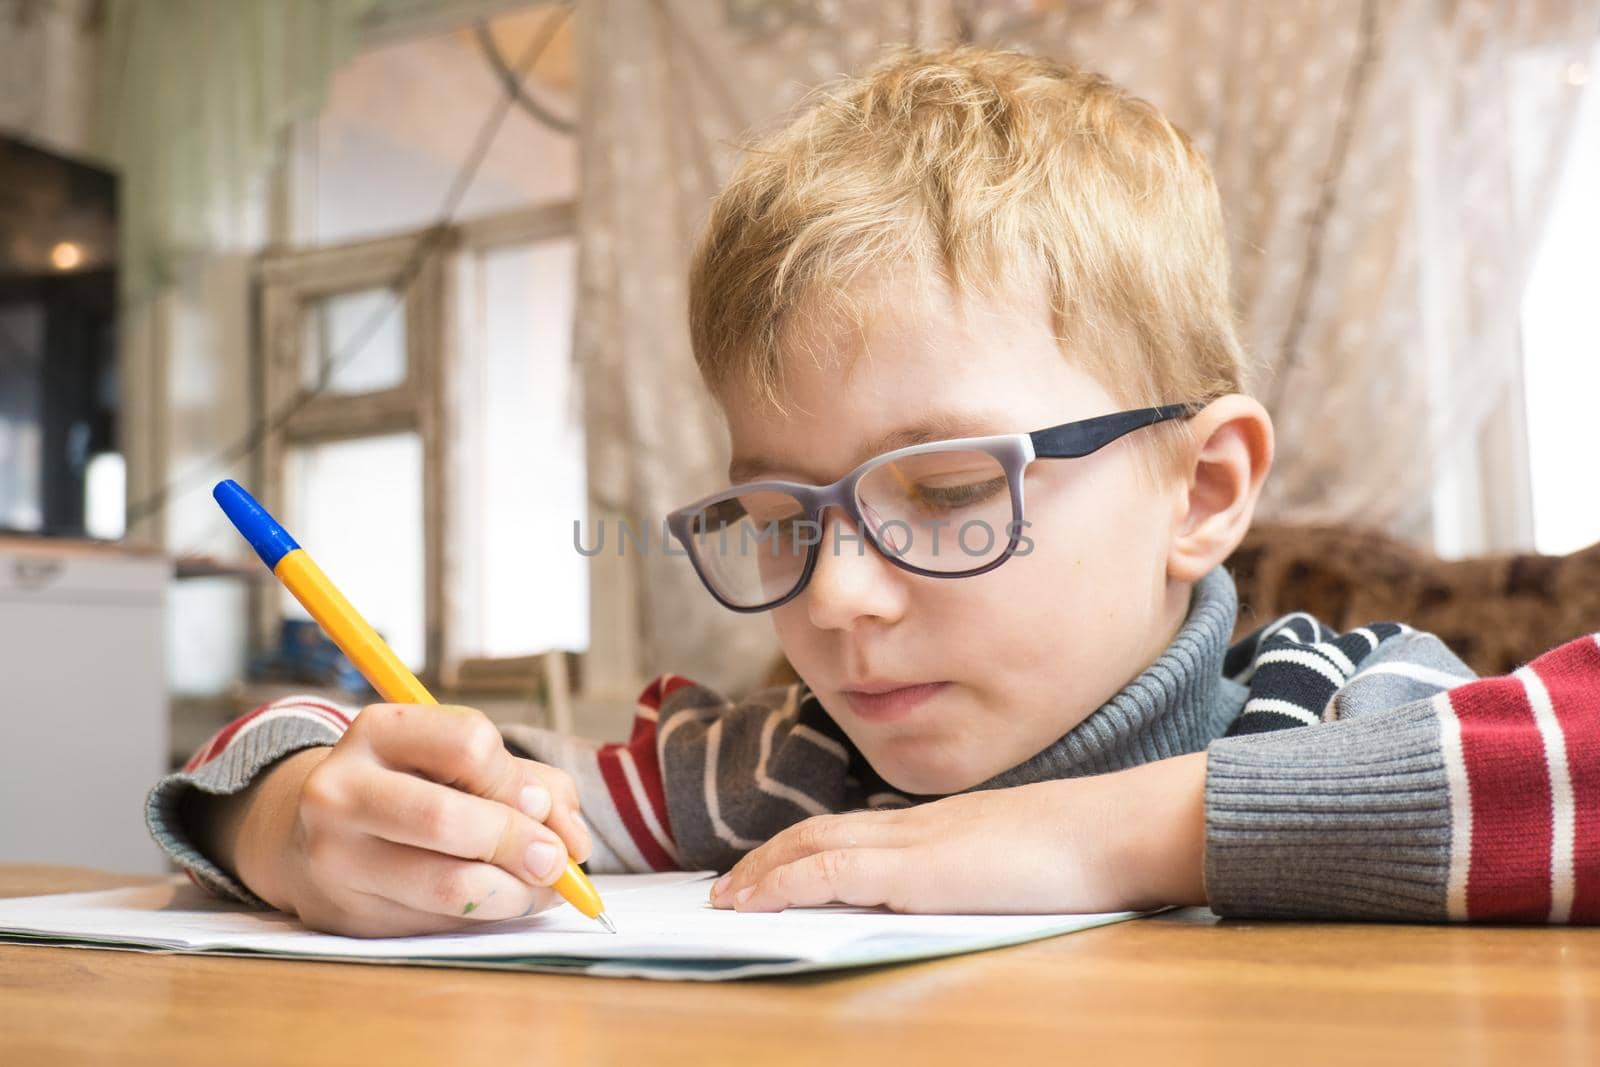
(605, 921)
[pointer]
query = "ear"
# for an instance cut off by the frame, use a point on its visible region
(1232, 454)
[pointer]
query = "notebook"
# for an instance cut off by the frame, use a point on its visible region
(665, 930)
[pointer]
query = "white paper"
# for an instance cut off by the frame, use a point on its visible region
(665, 929)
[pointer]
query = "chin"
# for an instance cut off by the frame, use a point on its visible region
(926, 777)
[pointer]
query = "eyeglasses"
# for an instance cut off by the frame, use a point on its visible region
(949, 509)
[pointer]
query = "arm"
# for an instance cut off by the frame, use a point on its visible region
(1476, 803)
(195, 814)
(1481, 802)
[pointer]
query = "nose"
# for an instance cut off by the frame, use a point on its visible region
(851, 581)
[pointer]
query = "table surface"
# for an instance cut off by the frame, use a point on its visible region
(1177, 988)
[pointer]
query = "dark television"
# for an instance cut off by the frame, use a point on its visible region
(58, 336)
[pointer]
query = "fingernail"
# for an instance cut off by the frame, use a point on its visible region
(544, 860)
(743, 895)
(720, 884)
(534, 802)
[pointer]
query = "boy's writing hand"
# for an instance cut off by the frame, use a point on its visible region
(417, 821)
(1129, 840)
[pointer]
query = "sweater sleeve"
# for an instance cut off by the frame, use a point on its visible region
(228, 763)
(1419, 793)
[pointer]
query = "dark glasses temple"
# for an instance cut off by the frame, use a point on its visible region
(1076, 439)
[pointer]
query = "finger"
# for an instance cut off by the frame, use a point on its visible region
(459, 747)
(821, 833)
(442, 887)
(859, 876)
(408, 810)
(550, 795)
(449, 744)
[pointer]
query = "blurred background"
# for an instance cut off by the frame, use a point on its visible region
(413, 272)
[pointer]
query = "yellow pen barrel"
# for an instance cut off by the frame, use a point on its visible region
(576, 889)
(346, 628)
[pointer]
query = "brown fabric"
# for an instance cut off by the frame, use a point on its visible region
(1496, 612)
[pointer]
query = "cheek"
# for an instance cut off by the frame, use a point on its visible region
(1023, 612)
(1089, 520)
(799, 641)
(1089, 573)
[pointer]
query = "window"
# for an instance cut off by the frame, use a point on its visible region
(432, 459)
(436, 463)
(518, 473)
(362, 328)
(359, 501)
(354, 343)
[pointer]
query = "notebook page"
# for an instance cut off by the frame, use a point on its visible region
(658, 917)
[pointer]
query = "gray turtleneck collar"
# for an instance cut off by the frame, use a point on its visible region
(1179, 704)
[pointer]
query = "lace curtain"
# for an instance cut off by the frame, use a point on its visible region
(197, 96)
(1384, 168)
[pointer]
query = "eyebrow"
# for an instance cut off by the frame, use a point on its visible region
(942, 427)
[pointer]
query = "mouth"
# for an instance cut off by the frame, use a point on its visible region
(889, 702)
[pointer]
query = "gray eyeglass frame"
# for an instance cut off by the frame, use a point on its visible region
(1014, 451)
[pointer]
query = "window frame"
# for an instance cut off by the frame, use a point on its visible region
(289, 281)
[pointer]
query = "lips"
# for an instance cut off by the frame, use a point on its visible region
(888, 702)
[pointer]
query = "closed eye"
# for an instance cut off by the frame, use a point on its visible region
(951, 497)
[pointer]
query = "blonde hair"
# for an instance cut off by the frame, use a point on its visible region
(993, 171)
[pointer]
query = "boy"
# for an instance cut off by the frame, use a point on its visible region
(976, 294)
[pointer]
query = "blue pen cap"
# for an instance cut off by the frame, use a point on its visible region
(271, 541)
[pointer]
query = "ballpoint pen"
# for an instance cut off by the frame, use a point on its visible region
(356, 638)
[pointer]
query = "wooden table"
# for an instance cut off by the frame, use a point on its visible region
(1179, 988)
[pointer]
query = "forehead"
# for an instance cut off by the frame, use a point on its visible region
(915, 364)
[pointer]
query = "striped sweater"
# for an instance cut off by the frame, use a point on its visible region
(1359, 775)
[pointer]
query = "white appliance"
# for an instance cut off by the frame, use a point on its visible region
(83, 702)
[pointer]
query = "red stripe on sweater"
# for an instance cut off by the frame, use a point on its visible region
(628, 810)
(1572, 674)
(656, 693)
(1508, 876)
(319, 705)
(218, 744)
(641, 746)
(647, 761)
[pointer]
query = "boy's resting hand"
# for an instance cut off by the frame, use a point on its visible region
(1125, 841)
(417, 821)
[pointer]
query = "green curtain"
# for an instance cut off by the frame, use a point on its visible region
(197, 96)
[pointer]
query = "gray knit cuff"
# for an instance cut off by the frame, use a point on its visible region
(1347, 820)
(236, 768)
